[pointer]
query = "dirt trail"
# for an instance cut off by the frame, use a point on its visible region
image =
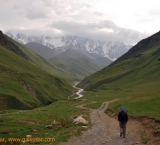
(105, 131)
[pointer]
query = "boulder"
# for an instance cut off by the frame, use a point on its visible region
(80, 120)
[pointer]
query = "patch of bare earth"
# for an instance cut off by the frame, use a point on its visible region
(105, 131)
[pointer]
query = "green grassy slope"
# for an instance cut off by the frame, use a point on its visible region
(41, 62)
(134, 78)
(75, 64)
(24, 85)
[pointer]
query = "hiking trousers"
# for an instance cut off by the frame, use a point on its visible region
(122, 126)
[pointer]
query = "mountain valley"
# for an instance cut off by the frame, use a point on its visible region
(35, 76)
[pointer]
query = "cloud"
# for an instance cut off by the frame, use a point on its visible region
(36, 9)
(103, 30)
(154, 13)
(99, 14)
(35, 13)
(85, 18)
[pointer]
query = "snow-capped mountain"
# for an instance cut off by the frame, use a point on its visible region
(111, 50)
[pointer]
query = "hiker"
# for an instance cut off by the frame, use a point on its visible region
(122, 118)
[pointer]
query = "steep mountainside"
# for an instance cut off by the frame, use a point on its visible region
(142, 62)
(78, 64)
(134, 77)
(41, 62)
(23, 85)
(111, 50)
(11, 46)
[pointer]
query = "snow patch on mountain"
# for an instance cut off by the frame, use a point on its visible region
(111, 50)
(56, 42)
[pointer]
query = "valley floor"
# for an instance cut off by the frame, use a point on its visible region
(105, 131)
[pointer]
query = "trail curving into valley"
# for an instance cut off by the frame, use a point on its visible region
(105, 130)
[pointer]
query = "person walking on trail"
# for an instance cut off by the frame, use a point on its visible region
(122, 118)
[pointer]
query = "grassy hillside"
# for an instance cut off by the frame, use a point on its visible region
(41, 62)
(24, 85)
(71, 64)
(134, 78)
(75, 64)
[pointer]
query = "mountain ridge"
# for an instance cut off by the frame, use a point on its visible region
(77, 64)
(72, 61)
(11, 46)
(111, 50)
(42, 50)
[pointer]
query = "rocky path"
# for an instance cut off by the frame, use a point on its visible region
(105, 131)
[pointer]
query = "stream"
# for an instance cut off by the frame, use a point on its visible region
(78, 92)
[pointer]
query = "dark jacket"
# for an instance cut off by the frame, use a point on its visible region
(122, 116)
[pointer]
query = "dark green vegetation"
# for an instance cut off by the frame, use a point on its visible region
(33, 122)
(134, 78)
(23, 84)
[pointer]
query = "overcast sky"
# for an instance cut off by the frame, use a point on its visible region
(128, 21)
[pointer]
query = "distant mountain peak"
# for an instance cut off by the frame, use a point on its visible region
(111, 50)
